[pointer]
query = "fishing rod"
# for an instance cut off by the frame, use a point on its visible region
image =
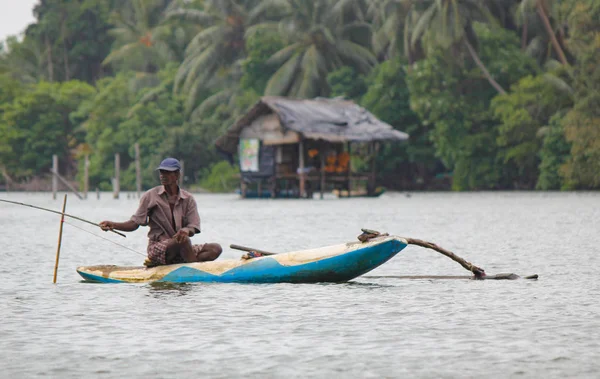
(59, 213)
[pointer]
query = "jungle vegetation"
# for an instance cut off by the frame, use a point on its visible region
(495, 94)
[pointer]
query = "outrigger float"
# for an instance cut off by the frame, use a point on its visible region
(337, 263)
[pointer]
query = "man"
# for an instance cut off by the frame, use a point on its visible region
(172, 215)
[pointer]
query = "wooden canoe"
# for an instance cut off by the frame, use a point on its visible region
(337, 263)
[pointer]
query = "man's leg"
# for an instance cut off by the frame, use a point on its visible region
(191, 253)
(178, 252)
(207, 252)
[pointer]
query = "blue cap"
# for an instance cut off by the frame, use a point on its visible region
(169, 164)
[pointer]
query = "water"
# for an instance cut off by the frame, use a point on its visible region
(368, 328)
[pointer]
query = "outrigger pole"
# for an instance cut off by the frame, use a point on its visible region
(60, 213)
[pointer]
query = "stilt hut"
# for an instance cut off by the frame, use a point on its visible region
(293, 148)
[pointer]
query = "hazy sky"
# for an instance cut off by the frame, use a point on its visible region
(15, 15)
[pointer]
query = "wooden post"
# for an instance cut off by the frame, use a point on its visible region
(67, 184)
(116, 184)
(348, 177)
(54, 177)
(62, 220)
(301, 168)
(181, 173)
(371, 185)
(97, 193)
(138, 170)
(243, 188)
(273, 186)
(322, 157)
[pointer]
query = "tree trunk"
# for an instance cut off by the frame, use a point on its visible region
(49, 54)
(483, 68)
(542, 12)
(524, 34)
(64, 43)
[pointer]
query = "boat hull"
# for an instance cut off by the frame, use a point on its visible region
(338, 263)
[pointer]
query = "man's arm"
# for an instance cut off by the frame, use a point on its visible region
(127, 226)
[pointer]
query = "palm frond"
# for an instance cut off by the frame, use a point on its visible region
(265, 26)
(360, 57)
(122, 53)
(277, 7)
(212, 101)
(283, 55)
(312, 68)
(191, 15)
(559, 84)
(422, 25)
(281, 81)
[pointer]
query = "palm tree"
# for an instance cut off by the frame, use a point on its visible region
(218, 45)
(139, 36)
(448, 23)
(525, 12)
(316, 45)
(394, 20)
(25, 60)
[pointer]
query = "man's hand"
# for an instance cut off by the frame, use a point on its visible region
(107, 225)
(181, 235)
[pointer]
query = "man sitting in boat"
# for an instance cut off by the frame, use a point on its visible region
(172, 215)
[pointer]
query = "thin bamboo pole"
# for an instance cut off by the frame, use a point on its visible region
(62, 220)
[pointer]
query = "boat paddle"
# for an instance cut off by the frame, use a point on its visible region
(59, 213)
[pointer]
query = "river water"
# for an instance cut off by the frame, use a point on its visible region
(375, 326)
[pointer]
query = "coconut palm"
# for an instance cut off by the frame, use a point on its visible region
(315, 46)
(526, 15)
(140, 42)
(25, 60)
(448, 23)
(394, 20)
(219, 44)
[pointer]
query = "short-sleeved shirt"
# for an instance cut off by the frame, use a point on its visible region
(154, 211)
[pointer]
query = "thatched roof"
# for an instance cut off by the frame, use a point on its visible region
(332, 120)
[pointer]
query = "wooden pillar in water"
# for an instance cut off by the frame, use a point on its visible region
(243, 188)
(116, 184)
(348, 169)
(371, 186)
(54, 177)
(86, 176)
(181, 173)
(138, 170)
(301, 168)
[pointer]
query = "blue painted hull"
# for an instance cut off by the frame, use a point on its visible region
(337, 263)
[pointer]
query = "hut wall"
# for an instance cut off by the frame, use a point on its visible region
(267, 128)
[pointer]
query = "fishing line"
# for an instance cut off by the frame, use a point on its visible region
(106, 239)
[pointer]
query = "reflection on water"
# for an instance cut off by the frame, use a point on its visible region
(379, 325)
(169, 289)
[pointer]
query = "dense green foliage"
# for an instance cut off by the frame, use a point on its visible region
(494, 94)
